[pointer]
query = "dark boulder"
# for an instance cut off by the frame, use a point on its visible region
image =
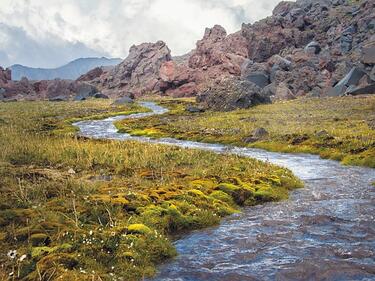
(352, 78)
(100, 96)
(230, 94)
(313, 48)
(361, 90)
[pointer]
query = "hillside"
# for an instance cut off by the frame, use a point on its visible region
(72, 70)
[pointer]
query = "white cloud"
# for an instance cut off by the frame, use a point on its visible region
(112, 26)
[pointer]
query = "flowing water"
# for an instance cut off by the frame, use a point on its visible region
(325, 231)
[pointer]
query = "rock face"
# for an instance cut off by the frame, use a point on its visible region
(306, 48)
(137, 74)
(149, 68)
(231, 93)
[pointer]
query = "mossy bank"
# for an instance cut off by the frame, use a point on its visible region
(342, 128)
(79, 209)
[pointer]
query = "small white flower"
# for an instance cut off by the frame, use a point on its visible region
(22, 258)
(11, 274)
(91, 232)
(12, 254)
(113, 267)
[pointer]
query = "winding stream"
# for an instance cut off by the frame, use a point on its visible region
(325, 231)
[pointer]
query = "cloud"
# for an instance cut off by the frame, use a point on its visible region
(53, 32)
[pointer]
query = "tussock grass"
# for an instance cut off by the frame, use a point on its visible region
(83, 209)
(342, 129)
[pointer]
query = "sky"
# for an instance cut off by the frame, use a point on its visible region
(50, 33)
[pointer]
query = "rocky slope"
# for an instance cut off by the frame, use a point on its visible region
(71, 70)
(305, 48)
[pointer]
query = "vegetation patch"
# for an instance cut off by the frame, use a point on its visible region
(78, 209)
(341, 128)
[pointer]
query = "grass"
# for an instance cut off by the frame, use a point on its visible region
(78, 209)
(336, 128)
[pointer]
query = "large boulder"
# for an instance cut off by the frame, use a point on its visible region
(84, 91)
(258, 78)
(231, 93)
(351, 79)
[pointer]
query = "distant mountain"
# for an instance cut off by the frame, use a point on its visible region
(71, 70)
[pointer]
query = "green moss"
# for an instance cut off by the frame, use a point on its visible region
(196, 192)
(222, 196)
(37, 252)
(138, 229)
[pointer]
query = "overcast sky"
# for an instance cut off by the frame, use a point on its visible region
(49, 33)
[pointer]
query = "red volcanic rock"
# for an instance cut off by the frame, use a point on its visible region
(216, 48)
(168, 71)
(138, 73)
(304, 48)
(92, 74)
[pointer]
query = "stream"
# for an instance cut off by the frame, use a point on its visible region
(325, 231)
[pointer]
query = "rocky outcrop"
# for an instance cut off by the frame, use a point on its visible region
(306, 48)
(138, 74)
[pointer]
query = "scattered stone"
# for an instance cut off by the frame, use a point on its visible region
(259, 133)
(71, 171)
(313, 48)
